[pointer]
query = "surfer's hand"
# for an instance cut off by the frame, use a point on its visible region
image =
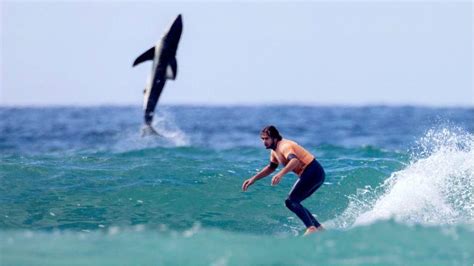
(247, 183)
(276, 179)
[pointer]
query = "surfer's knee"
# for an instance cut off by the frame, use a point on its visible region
(290, 204)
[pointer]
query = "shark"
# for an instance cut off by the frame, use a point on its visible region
(164, 67)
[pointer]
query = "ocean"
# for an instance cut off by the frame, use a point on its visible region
(80, 186)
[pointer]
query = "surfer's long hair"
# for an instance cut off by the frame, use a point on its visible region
(272, 132)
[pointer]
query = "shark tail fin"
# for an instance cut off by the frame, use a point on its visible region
(148, 130)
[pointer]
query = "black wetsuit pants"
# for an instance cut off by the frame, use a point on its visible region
(309, 181)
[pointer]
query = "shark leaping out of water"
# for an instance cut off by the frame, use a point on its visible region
(164, 67)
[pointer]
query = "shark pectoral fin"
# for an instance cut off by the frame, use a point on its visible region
(148, 55)
(172, 69)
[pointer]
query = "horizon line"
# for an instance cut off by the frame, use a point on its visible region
(342, 105)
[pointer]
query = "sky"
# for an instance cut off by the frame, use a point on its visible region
(240, 52)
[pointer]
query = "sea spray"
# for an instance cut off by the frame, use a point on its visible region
(164, 123)
(436, 188)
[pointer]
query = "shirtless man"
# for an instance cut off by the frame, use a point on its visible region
(295, 158)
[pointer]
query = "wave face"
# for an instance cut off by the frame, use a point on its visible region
(81, 185)
(435, 188)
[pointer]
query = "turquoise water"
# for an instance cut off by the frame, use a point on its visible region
(79, 186)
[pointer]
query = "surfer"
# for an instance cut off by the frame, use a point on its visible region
(295, 158)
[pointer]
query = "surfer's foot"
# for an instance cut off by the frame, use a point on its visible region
(310, 230)
(313, 229)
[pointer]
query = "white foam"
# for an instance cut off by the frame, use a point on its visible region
(167, 127)
(113, 230)
(139, 228)
(221, 261)
(193, 230)
(436, 188)
(170, 135)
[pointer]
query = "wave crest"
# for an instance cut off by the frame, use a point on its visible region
(436, 187)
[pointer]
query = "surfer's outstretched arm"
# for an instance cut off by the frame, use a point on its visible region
(263, 173)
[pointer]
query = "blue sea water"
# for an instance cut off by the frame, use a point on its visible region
(80, 186)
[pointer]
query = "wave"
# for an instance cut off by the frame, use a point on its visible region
(140, 245)
(436, 188)
(156, 184)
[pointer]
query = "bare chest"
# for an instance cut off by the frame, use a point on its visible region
(280, 158)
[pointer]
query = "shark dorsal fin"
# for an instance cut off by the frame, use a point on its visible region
(172, 69)
(148, 55)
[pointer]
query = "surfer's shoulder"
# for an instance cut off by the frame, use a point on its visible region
(286, 143)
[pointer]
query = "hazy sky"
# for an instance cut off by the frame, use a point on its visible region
(356, 53)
